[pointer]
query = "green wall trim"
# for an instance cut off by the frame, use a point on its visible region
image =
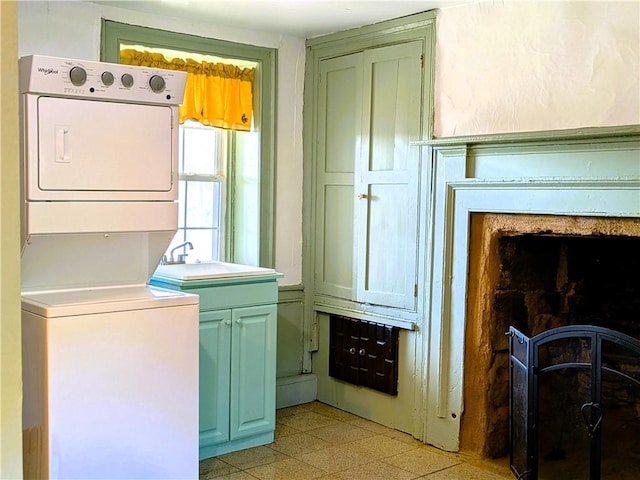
(578, 134)
(290, 294)
(363, 34)
(115, 33)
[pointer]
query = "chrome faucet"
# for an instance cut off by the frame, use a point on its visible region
(181, 256)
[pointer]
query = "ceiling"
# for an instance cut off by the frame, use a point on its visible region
(300, 18)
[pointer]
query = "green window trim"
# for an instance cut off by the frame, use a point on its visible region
(114, 34)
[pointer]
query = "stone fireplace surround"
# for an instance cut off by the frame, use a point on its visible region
(590, 173)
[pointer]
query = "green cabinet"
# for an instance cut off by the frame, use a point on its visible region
(367, 175)
(238, 318)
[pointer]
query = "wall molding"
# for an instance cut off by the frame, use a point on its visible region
(552, 136)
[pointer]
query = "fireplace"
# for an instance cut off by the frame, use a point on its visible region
(537, 273)
(500, 201)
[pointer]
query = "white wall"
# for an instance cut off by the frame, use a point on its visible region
(72, 29)
(516, 66)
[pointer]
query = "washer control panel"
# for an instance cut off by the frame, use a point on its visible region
(103, 81)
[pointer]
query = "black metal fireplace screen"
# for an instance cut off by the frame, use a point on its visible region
(567, 386)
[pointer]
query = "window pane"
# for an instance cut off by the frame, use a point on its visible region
(205, 245)
(200, 150)
(201, 198)
(182, 188)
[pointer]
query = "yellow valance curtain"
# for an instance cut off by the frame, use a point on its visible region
(216, 94)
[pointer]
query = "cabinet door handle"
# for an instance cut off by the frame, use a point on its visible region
(362, 352)
(352, 351)
(227, 322)
(362, 196)
(238, 322)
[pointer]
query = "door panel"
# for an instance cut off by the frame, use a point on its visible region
(387, 174)
(253, 371)
(215, 366)
(338, 146)
(334, 267)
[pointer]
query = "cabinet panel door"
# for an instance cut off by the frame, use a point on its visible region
(387, 176)
(215, 365)
(253, 370)
(337, 147)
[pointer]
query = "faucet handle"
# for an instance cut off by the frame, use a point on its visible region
(182, 257)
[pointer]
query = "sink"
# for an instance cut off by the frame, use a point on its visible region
(202, 271)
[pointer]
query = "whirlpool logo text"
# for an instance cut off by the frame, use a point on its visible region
(48, 71)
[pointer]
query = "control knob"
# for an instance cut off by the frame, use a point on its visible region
(127, 80)
(107, 78)
(78, 76)
(157, 83)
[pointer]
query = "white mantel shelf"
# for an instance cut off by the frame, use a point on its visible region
(550, 136)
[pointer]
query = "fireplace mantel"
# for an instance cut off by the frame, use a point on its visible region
(591, 172)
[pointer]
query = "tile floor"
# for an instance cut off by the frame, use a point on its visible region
(316, 441)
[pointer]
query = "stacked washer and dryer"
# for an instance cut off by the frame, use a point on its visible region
(110, 364)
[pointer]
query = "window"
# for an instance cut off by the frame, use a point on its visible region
(202, 163)
(226, 178)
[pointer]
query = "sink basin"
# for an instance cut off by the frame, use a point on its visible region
(202, 271)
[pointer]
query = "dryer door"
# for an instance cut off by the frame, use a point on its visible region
(94, 150)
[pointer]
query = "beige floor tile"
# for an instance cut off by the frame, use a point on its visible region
(421, 461)
(334, 459)
(289, 469)
(376, 471)
(252, 457)
(288, 411)
(305, 421)
(404, 438)
(239, 475)
(332, 412)
(283, 430)
(465, 471)
(341, 433)
(317, 441)
(379, 446)
(214, 468)
(298, 444)
(371, 426)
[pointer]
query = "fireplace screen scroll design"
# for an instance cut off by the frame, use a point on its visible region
(565, 421)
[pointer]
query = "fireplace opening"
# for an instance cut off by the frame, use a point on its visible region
(536, 273)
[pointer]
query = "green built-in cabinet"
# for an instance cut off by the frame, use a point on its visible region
(238, 318)
(371, 99)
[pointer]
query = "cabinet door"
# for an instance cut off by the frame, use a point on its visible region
(387, 172)
(253, 371)
(215, 365)
(339, 124)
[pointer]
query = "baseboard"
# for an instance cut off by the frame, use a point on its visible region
(296, 390)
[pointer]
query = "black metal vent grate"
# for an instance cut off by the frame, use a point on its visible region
(364, 353)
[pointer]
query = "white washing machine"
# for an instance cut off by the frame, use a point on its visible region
(109, 379)
(110, 365)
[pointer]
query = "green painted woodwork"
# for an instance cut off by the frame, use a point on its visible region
(339, 126)
(238, 335)
(115, 33)
(367, 176)
(291, 345)
(552, 137)
(253, 367)
(215, 373)
(387, 177)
